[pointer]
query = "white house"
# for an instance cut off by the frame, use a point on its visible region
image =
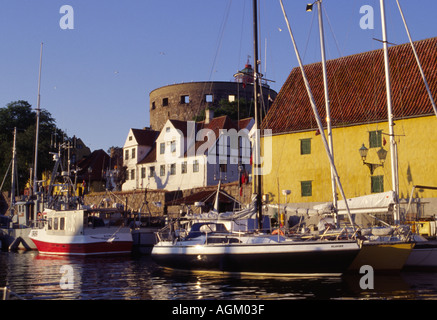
(137, 146)
(189, 154)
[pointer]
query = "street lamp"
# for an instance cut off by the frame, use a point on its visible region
(286, 193)
(382, 154)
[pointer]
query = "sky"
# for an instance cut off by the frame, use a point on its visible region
(97, 73)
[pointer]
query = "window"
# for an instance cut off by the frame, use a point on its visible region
(173, 169)
(196, 166)
(49, 224)
(305, 146)
(165, 102)
(126, 155)
(167, 129)
(231, 98)
(173, 146)
(130, 138)
(61, 223)
(375, 139)
(162, 170)
(306, 188)
(143, 172)
(184, 167)
(132, 174)
(55, 223)
(133, 153)
(153, 105)
(185, 99)
(151, 171)
(223, 167)
(162, 148)
(208, 98)
(377, 184)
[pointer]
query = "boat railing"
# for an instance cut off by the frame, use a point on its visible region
(167, 233)
(7, 293)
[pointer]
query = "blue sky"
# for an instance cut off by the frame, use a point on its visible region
(96, 78)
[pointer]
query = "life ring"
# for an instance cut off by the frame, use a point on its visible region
(278, 231)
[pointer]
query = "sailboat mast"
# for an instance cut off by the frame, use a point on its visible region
(14, 169)
(257, 151)
(327, 102)
(417, 59)
(38, 111)
(393, 147)
(317, 117)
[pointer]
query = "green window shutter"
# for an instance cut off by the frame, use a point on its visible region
(306, 188)
(375, 139)
(377, 184)
(305, 146)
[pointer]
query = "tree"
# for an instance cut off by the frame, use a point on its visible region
(235, 110)
(19, 114)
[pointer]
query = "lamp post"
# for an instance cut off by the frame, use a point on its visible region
(382, 155)
(90, 170)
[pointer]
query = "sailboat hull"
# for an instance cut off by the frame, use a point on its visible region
(383, 257)
(423, 256)
(313, 258)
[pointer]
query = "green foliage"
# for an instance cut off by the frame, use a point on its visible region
(19, 114)
(235, 110)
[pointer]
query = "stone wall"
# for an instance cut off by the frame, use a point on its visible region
(134, 200)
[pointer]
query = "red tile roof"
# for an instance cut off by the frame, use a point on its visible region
(219, 123)
(357, 89)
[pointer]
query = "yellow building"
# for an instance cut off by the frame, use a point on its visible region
(359, 116)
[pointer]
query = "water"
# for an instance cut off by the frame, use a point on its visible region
(39, 277)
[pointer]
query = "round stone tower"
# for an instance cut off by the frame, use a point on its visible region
(185, 101)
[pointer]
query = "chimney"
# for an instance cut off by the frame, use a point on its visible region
(209, 115)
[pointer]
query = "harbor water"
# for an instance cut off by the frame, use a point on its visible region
(33, 276)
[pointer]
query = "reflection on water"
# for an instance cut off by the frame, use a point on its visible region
(35, 276)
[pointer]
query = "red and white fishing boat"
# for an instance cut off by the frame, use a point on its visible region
(81, 232)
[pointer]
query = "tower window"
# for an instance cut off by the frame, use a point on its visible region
(185, 99)
(208, 98)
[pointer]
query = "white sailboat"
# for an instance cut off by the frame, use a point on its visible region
(381, 254)
(211, 246)
(14, 230)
